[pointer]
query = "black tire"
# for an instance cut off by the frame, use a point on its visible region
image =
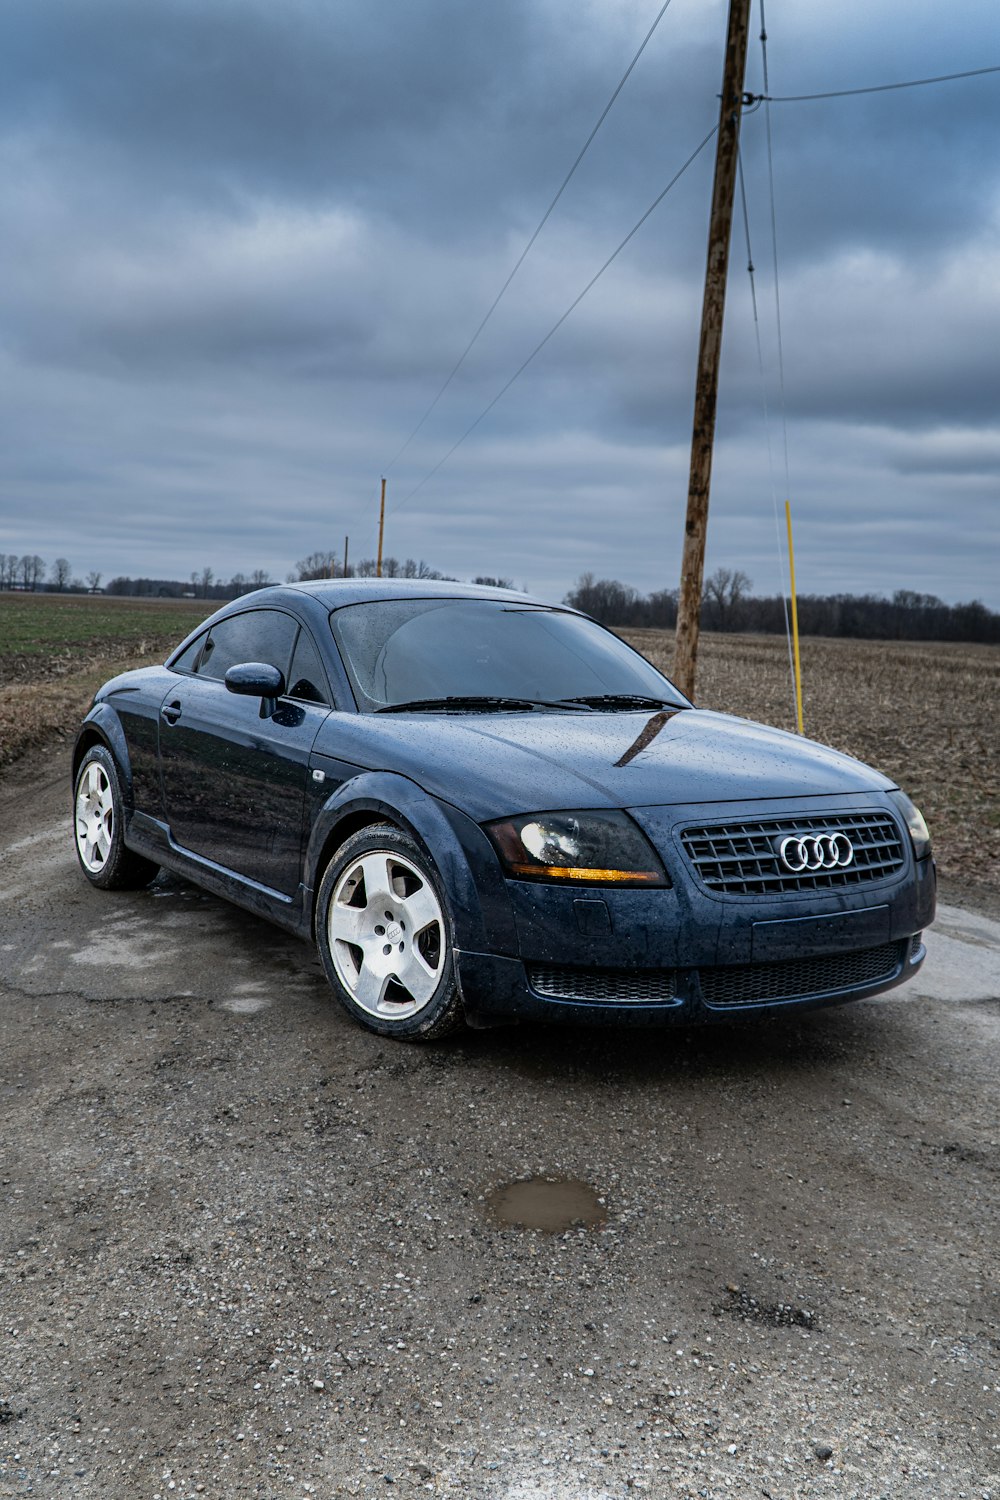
(398, 978)
(99, 827)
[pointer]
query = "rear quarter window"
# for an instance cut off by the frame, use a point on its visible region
(189, 656)
(306, 678)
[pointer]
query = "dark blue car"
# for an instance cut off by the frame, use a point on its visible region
(484, 808)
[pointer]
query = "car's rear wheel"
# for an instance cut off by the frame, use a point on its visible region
(384, 936)
(99, 827)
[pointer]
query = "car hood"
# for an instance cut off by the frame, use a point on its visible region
(492, 765)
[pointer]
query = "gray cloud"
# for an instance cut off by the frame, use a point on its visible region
(245, 244)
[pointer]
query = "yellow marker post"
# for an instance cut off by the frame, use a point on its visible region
(795, 620)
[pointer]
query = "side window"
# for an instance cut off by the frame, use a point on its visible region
(307, 679)
(258, 635)
(185, 662)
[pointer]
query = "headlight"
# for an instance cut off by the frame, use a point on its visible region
(592, 848)
(914, 820)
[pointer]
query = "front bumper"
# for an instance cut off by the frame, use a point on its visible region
(497, 991)
(686, 954)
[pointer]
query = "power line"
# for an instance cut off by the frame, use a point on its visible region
(538, 229)
(777, 320)
(750, 100)
(877, 88)
(774, 245)
(558, 324)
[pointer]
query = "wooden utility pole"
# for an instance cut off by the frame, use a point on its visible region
(713, 308)
(381, 529)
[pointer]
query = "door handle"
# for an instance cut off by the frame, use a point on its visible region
(171, 712)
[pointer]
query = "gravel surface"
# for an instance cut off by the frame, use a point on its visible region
(248, 1250)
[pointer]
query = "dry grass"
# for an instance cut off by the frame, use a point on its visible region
(55, 650)
(926, 715)
(36, 713)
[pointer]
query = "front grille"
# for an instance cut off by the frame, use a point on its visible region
(741, 859)
(799, 978)
(629, 986)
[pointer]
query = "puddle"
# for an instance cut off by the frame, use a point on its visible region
(55, 834)
(962, 955)
(126, 946)
(247, 1000)
(548, 1203)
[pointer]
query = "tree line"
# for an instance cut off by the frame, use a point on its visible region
(28, 572)
(205, 585)
(318, 565)
(200, 585)
(729, 605)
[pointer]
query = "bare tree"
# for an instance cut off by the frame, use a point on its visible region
(260, 578)
(205, 580)
(616, 603)
(412, 569)
(604, 598)
(317, 565)
(94, 581)
(31, 567)
(8, 569)
(61, 572)
(724, 593)
(393, 568)
(662, 614)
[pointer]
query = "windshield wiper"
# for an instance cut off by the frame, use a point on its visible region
(481, 703)
(623, 700)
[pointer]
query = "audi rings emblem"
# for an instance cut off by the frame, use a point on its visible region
(809, 852)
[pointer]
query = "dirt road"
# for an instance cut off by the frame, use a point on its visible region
(245, 1248)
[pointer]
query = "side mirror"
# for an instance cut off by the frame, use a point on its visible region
(255, 679)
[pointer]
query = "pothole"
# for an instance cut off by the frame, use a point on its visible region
(548, 1203)
(777, 1314)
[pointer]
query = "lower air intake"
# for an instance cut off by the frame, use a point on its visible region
(800, 978)
(625, 986)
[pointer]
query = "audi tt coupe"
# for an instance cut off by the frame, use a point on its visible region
(484, 808)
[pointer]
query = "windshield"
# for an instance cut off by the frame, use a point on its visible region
(400, 651)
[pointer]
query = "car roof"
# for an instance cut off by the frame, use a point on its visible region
(335, 592)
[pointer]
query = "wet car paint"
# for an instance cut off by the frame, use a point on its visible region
(254, 807)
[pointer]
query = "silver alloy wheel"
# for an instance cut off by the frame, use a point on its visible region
(386, 932)
(95, 812)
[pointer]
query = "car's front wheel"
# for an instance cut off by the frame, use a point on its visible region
(99, 827)
(384, 937)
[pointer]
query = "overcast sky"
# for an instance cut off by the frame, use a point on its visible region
(244, 243)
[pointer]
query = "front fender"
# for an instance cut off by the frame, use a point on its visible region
(455, 845)
(102, 725)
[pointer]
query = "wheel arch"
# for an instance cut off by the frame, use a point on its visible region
(455, 846)
(338, 832)
(102, 727)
